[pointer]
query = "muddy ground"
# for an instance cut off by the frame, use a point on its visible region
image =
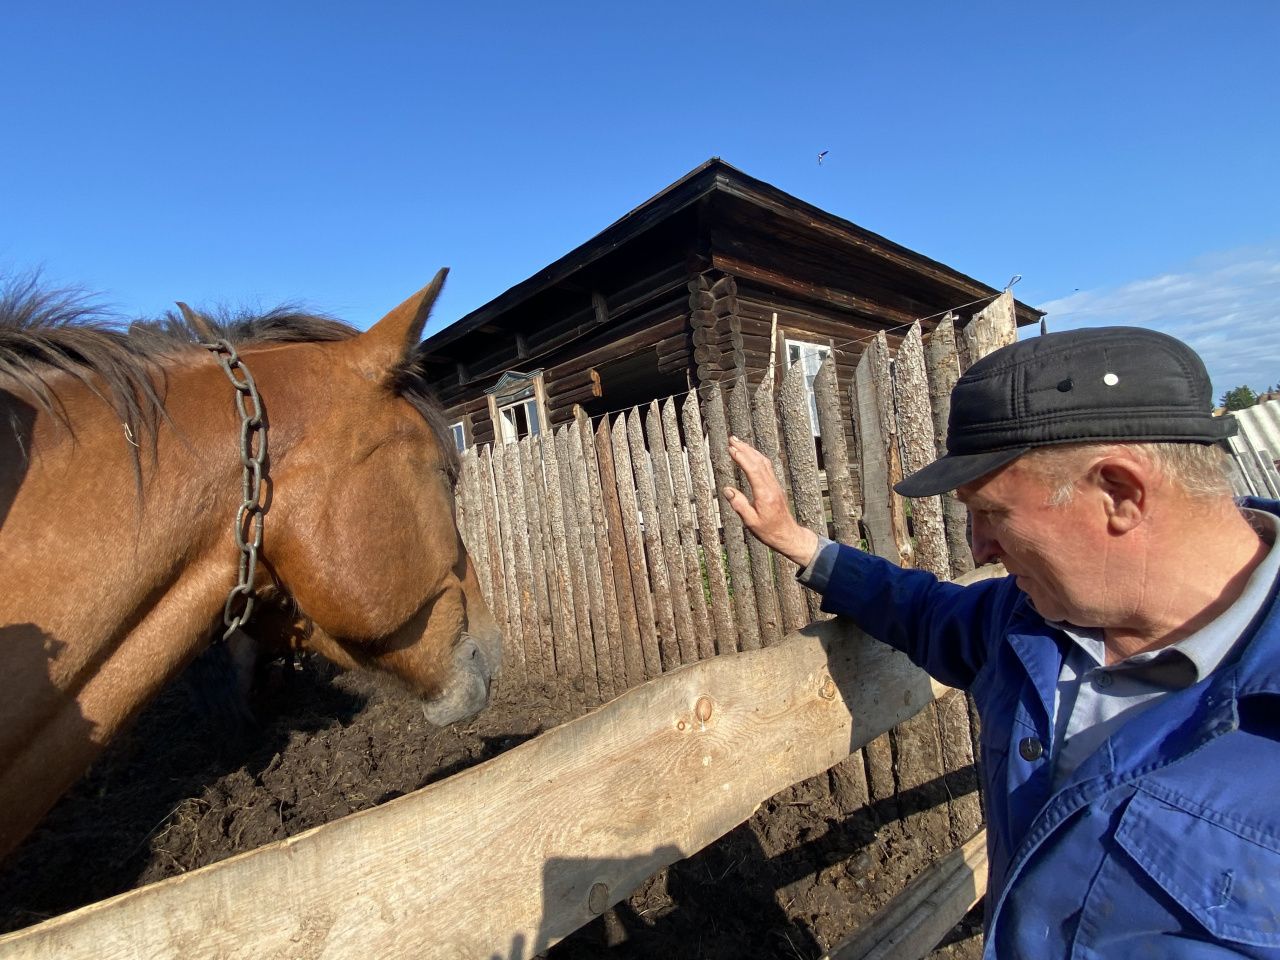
(184, 789)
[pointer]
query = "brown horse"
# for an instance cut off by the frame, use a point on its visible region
(121, 479)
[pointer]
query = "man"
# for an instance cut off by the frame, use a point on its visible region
(1127, 671)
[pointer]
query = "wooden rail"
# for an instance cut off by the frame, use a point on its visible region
(916, 920)
(507, 858)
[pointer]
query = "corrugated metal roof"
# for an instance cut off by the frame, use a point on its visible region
(1257, 448)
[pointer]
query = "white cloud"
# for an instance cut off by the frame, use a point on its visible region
(1225, 305)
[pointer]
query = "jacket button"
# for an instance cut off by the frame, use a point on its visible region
(1029, 748)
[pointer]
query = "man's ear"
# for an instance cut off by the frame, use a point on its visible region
(1125, 485)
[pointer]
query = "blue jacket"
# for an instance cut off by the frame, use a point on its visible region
(1165, 843)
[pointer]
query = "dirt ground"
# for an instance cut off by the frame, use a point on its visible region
(186, 787)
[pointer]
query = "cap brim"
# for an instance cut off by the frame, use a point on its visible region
(953, 471)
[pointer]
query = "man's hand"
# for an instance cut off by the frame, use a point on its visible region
(768, 518)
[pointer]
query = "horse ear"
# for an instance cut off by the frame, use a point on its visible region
(395, 335)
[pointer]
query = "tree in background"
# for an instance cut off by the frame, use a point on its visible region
(1239, 398)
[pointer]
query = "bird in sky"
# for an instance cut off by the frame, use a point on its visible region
(821, 157)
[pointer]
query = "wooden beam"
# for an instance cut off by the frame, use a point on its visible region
(813, 291)
(600, 307)
(510, 856)
(916, 920)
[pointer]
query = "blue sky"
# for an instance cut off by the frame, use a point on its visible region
(1121, 157)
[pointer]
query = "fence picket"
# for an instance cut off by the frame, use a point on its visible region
(942, 365)
(835, 455)
(992, 327)
(632, 656)
(661, 649)
(532, 645)
(568, 656)
(882, 508)
(535, 499)
(802, 463)
(668, 535)
(703, 646)
(574, 516)
(492, 575)
(764, 423)
(722, 468)
(627, 472)
(608, 634)
(721, 606)
(915, 428)
(767, 607)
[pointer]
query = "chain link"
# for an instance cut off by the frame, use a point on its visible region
(248, 523)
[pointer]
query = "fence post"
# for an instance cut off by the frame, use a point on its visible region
(678, 458)
(744, 594)
(609, 665)
(669, 533)
(942, 365)
(721, 607)
(802, 463)
(770, 614)
(662, 653)
(764, 420)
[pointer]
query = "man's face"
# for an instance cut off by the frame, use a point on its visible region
(1057, 554)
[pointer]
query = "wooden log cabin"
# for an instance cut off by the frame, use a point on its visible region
(681, 293)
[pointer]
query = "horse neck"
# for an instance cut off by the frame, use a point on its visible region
(115, 582)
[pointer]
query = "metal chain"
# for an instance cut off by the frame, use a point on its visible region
(248, 523)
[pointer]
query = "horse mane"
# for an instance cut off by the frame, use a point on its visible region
(45, 332)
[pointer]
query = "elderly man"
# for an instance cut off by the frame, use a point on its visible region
(1127, 671)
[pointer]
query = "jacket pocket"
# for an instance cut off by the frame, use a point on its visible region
(1227, 877)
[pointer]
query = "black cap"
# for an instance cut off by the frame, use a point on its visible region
(1081, 386)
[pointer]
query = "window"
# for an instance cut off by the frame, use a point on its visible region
(519, 420)
(459, 432)
(516, 405)
(810, 357)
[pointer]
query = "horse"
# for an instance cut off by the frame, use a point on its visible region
(130, 505)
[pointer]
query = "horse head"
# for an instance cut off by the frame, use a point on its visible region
(361, 531)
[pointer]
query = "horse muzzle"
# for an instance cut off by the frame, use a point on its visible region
(477, 661)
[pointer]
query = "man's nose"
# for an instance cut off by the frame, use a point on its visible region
(985, 548)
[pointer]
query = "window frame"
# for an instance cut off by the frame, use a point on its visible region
(517, 389)
(822, 351)
(461, 435)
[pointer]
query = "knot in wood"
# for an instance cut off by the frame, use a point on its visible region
(598, 899)
(828, 689)
(702, 709)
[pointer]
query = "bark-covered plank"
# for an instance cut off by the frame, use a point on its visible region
(678, 460)
(535, 499)
(607, 630)
(669, 539)
(802, 463)
(632, 657)
(568, 652)
(721, 606)
(835, 454)
(767, 607)
(524, 563)
(942, 365)
(915, 428)
(657, 584)
(574, 518)
(744, 595)
(764, 422)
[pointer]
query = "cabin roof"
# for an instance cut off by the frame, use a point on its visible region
(732, 201)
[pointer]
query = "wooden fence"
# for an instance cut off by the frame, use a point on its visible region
(607, 554)
(506, 858)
